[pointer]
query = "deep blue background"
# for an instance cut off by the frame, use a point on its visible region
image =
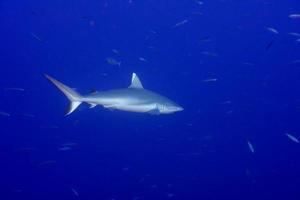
(200, 153)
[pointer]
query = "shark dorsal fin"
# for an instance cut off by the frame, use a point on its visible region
(135, 82)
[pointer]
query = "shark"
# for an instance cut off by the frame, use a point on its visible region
(134, 98)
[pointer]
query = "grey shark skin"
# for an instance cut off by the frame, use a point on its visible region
(133, 99)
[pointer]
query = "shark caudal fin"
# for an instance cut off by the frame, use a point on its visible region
(74, 97)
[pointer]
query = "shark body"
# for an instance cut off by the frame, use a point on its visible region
(133, 99)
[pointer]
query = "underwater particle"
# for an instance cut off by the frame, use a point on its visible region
(291, 137)
(180, 23)
(113, 61)
(4, 114)
(273, 30)
(251, 148)
(294, 16)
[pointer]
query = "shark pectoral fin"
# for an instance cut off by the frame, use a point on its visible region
(93, 105)
(154, 111)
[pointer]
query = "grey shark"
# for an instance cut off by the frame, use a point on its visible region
(132, 99)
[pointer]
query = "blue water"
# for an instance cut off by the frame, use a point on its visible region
(237, 80)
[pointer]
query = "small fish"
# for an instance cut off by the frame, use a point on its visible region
(143, 59)
(65, 148)
(15, 89)
(294, 16)
(269, 45)
(294, 34)
(250, 147)
(180, 23)
(35, 37)
(248, 63)
(47, 163)
(70, 144)
(4, 114)
(295, 61)
(293, 138)
(210, 80)
(226, 102)
(113, 61)
(273, 30)
(115, 51)
(206, 39)
(199, 2)
(75, 192)
(207, 53)
(27, 115)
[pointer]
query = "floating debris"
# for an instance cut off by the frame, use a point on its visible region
(113, 61)
(180, 23)
(294, 16)
(250, 147)
(210, 80)
(293, 138)
(273, 30)
(4, 114)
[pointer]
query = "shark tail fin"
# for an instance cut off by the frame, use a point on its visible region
(74, 97)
